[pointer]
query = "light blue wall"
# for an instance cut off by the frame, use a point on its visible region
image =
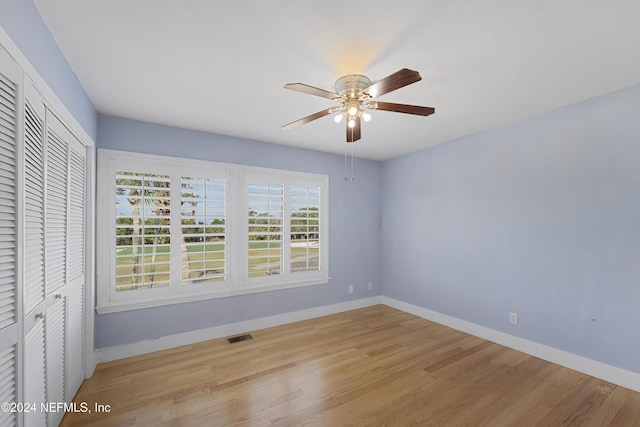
(541, 218)
(354, 222)
(21, 20)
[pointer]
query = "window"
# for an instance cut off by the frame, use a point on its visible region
(266, 228)
(285, 223)
(203, 231)
(175, 230)
(305, 228)
(142, 227)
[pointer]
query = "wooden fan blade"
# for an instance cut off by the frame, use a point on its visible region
(353, 134)
(393, 82)
(312, 90)
(310, 118)
(401, 108)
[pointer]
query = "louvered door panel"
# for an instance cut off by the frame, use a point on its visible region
(56, 205)
(77, 223)
(34, 373)
(8, 383)
(75, 342)
(8, 136)
(10, 76)
(55, 355)
(34, 284)
(76, 210)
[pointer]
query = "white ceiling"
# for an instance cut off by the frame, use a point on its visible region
(220, 66)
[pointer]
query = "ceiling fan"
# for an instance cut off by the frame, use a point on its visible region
(356, 94)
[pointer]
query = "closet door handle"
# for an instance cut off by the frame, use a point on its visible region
(58, 296)
(39, 315)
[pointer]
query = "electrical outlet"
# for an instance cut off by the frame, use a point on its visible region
(350, 289)
(513, 318)
(370, 284)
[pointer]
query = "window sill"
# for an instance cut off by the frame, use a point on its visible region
(119, 306)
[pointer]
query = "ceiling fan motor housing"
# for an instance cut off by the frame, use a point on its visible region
(351, 85)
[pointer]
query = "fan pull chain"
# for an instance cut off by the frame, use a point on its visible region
(346, 168)
(346, 178)
(346, 172)
(352, 171)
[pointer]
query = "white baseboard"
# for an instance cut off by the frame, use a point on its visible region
(142, 347)
(587, 366)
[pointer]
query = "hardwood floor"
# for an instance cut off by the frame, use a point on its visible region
(373, 366)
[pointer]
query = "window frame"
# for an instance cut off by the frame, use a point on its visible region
(237, 280)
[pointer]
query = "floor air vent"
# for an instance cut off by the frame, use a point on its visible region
(245, 337)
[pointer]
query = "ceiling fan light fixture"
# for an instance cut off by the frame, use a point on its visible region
(353, 108)
(356, 93)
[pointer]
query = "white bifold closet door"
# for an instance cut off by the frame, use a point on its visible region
(34, 383)
(43, 252)
(76, 272)
(10, 77)
(55, 220)
(55, 259)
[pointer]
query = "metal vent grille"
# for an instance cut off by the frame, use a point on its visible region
(245, 337)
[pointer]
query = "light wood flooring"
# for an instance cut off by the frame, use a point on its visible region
(373, 366)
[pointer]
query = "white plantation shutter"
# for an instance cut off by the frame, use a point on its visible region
(265, 224)
(34, 284)
(8, 383)
(143, 227)
(304, 217)
(203, 227)
(34, 373)
(55, 355)
(75, 323)
(287, 234)
(56, 205)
